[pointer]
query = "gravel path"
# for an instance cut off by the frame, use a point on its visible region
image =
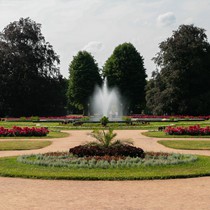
(56, 194)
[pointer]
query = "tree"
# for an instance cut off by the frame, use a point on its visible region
(125, 70)
(84, 76)
(181, 85)
(28, 65)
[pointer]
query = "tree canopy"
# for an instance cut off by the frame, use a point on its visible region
(84, 76)
(125, 70)
(29, 77)
(181, 83)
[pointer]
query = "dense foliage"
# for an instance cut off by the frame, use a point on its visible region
(84, 76)
(30, 81)
(104, 120)
(25, 131)
(115, 150)
(125, 70)
(181, 83)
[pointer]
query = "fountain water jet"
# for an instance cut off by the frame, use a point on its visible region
(106, 102)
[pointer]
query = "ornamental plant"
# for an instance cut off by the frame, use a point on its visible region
(106, 145)
(104, 120)
(23, 131)
(106, 138)
(191, 130)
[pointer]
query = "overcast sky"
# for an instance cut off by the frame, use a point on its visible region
(98, 26)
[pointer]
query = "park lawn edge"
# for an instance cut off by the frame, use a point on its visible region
(23, 145)
(182, 146)
(9, 167)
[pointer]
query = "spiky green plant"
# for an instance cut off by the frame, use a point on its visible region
(106, 138)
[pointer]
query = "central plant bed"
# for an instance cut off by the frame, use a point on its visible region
(105, 153)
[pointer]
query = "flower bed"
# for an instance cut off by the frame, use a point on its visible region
(191, 130)
(24, 131)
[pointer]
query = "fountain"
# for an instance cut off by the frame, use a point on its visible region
(106, 102)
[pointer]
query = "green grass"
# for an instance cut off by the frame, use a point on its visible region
(56, 134)
(183, 144)
(11, 168)
(23, 145)
(161, 134)
(52, 134)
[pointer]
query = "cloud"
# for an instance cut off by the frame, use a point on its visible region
(93, 47)
(189, 20)
(70, 25)
(166, 19)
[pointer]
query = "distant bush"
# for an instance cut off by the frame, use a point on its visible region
(23, 119)
(127, 120)
(34, 118)
(104, 120)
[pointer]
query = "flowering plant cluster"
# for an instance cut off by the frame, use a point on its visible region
(191, 130)
(25, 131)
(140, 116)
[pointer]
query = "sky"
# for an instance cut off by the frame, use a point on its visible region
(99, 26)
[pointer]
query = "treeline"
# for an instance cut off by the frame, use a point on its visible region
(181, 83)
(31, 82)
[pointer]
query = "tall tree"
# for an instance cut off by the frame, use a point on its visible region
(182, 84)
(27, 65)
(84, 76)
(125, 70)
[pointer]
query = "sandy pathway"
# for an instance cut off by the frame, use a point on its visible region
(159, 194)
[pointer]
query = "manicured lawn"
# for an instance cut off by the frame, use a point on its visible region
(56, 134)
(23, 145)
(11, 168)
(161, 134)
(183, 144)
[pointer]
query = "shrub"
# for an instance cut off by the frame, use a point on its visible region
(35, 118)
(128, 120)
(22, 119)
(115, 150)
(104, 120)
